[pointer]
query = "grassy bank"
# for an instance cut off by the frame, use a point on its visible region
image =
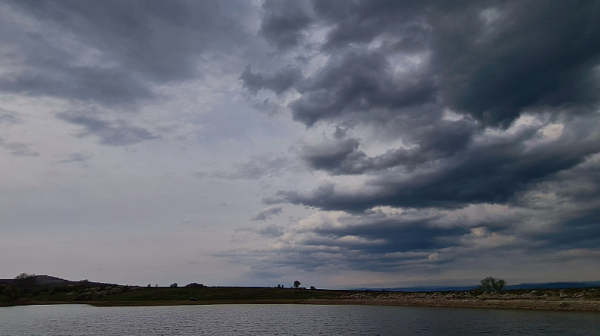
(123, 295)
(584, 299)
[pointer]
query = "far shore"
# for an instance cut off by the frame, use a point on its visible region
(413, 301)
(586, 299)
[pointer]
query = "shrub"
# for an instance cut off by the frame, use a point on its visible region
(490, 284)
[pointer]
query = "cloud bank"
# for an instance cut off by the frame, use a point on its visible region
(351, 142)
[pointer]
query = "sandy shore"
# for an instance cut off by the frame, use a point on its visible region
(406, 300)
(506, 301)
(483, 301)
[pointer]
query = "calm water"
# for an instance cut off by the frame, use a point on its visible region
(288, 320)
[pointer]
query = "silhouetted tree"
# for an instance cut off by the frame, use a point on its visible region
(499, 285)
(25, 280)
(173, 285)
(296, 284)
(490, 284)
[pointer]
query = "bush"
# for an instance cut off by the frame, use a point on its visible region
(12, 293)
(490, 284)
(173, 285)
(25, 280)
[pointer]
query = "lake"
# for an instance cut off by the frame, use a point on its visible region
(288, 320)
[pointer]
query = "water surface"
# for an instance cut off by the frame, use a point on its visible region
(288, 320)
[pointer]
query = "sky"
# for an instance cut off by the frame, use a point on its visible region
(339, 143)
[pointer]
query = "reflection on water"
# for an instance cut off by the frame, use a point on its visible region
(288, 320)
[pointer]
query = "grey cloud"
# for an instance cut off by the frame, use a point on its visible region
(278, 82)
(330, 156)
(580, 232)
(110, 133)
(18, 148)
(133, 44)
(472, 90)
(255, 168)
(398, 236)
(284, 21)
(556, 221)
(271, 231)
(432, 241)
(361, 21)
(266, 213)
(77, 157)
(485, 173)
(111, 86)
(490, 59)
(431, 142)
(358, 82)
(533, 54)
(8, 117)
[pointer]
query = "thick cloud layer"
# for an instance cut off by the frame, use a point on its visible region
(491, 59)
(436, 110)
(395, 141)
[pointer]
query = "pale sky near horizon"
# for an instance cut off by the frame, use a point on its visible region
(340, 143)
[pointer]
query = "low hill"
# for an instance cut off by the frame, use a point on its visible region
(51, 281)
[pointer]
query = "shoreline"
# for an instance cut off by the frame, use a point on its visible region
(487, 303)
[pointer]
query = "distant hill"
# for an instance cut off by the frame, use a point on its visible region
(546, 285)
(556, 285)
(47, 280)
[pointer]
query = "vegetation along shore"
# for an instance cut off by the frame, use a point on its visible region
(99, 294)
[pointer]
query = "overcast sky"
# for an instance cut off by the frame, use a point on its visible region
(340, 143)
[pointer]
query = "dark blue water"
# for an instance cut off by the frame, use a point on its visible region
(288, 320)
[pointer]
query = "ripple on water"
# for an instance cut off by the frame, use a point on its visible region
(288, 320)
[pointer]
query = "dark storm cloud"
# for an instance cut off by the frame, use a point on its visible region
(494, 104)
(397, 236)
(554, 221)
(487, 173)
(492, 59)
(284, 21)
(331, 156)
(358, 82)
(432, 142)
(130, 45)
(526, 54)
(580, 232)
(110, 133)
(278, 82)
